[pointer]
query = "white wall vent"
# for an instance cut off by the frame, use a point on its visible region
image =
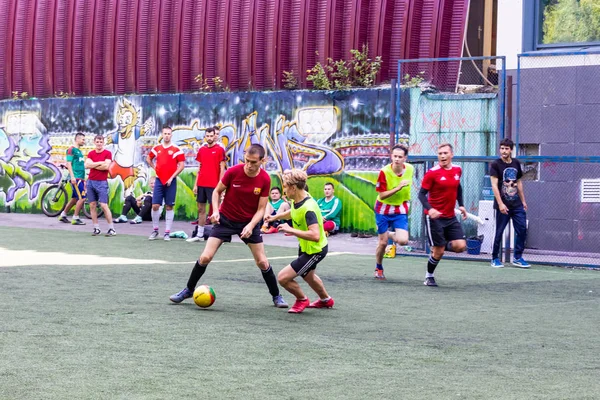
(590, 190)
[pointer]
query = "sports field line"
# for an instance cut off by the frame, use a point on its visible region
(333, 253)
(20, 258)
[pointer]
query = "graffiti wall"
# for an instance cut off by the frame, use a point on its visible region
(339, 137)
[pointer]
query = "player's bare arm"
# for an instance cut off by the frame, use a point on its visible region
(215, 202)
(284, 215)
(393, 191)
(150, 162)
(501, 206)
(258, 216)
(180, 166)
(313, 233)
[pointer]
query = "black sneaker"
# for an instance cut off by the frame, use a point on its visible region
(110, 232)
(77, 221)
(153, 235)
(96, 232)
(64, 219)
(430, 282)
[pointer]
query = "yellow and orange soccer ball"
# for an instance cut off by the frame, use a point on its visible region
(204, 296)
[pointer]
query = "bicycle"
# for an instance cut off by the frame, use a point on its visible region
(56, 197)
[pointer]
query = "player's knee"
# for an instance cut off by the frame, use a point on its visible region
(205, 259)
(402, 241)
(263, 264)
(155, 207)
(459, 247)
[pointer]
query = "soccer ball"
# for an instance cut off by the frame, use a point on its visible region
(204, 296)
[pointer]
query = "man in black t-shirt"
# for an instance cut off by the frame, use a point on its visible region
(509, 203)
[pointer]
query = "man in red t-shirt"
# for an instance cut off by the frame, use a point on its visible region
(98, 161)
(212, 158)
(440, 190)
(170, 161)
(241, 214)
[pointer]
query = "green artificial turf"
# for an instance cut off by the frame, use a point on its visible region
(110, 332)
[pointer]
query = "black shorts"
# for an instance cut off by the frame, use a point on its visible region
(307, 262)
(443, 230)
(204, 195)
(226, 228)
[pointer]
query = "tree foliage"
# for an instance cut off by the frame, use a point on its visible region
(571, 21)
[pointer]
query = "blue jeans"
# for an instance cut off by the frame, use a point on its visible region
(519, 218)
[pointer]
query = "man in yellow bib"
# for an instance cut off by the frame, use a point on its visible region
(307, 226)
(392, 205)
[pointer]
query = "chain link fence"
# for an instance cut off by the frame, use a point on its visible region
(558, 114)
(455, 100)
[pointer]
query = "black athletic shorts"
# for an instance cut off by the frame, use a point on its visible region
(204, 195)
(226, 228)
(443, 230)
(307, 262)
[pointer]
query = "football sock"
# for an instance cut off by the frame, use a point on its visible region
(195, 276)
(111, 226)
(76, 217)
(271, 281)
(96, 226)
(379, 266)
(169, 216)
(200, 231)
(431, 264)
(63, 214)
(428, 275)
(155, 219)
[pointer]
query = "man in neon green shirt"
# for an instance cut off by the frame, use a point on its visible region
(331, 209)
(393, 203)
(76, 166)
(308, 228)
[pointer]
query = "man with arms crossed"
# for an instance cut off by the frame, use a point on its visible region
(211, 157)
(392, 204)
(440, 190)
(509, 203)
(246, 188)
(169, 163)
(98, 161)
(76, 167)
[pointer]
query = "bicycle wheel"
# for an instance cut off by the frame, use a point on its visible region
(88, 214)
(54, 200)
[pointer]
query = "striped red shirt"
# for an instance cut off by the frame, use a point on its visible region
(387, 209)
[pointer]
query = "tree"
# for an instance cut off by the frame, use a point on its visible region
(568, 21)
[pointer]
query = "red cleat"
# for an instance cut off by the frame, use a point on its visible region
(299, 306)
(322, 304)
(379, 274)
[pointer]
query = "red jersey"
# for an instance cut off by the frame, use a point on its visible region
(442, 185)
(243, 193)
(210, 159)
(96, 174)
(166, 160)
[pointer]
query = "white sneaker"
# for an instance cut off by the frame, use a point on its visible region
(167, 237)
(194, 239)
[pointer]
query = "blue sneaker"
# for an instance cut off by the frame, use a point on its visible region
(279, 302)
(430, 282)
(520, 263)
(496, 263)
(181, 296)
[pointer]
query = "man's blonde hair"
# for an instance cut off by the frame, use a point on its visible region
(294, 177)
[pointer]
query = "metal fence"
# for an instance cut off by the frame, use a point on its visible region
(561, 228)
(456, 100)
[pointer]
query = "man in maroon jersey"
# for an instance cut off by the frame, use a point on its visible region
(168, 161)
(246, 188)
(98, 161)
(440, 190)
(211, 157)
